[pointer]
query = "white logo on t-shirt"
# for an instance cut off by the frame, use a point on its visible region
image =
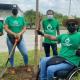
(49, 27)
(15, 23)
(67, 42)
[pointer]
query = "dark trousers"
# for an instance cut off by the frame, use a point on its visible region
(47, 49)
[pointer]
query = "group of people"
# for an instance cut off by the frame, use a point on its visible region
(15, 27)
(70, 44)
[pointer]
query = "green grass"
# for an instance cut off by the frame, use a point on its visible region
(18, 59)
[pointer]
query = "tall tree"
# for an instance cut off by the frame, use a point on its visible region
(30, 16)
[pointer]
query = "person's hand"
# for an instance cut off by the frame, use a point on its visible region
(40, 33)
(15, 35)
(19, 35)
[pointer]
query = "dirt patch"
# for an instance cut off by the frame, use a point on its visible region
(20, 73)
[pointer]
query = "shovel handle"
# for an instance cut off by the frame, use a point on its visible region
(3, 72)
(16, 40)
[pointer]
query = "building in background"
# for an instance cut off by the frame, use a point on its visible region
(5, 10)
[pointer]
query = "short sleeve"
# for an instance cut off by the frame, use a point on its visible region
(6, 21)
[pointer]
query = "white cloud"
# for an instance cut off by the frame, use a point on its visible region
(61, 6)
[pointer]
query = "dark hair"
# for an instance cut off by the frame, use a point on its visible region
(50, 12)
(15, 11)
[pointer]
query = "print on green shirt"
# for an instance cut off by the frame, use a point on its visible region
(69, 44)
(50, 27)
(15, 24)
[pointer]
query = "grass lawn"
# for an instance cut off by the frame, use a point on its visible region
(18, 59)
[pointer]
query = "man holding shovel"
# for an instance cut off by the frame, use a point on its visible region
(15, 28)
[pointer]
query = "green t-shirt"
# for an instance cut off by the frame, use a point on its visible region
(70, 43)
(78, 28)
(50, 27)
(1, 27)
(15, 24)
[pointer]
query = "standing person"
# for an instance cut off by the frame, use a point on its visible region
(15, 28)
(1, 27)
(70, 43)
(50, 26)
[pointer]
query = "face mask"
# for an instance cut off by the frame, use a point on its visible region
(71, 27)
(14, 11)
(50, 16)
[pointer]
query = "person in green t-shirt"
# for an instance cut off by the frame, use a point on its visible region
(1, 28)
(15, 27)
(50, 26)
(70, 42)
(78, 29)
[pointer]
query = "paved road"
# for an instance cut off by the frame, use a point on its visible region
(29, 38)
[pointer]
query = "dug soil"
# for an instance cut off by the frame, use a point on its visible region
(19, 73)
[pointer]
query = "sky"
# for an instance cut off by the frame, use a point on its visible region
(60, 6)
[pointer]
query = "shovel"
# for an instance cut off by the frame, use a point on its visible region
(11, 53)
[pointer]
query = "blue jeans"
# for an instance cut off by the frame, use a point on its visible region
(22, 48)
(48, 74)
(47, 49)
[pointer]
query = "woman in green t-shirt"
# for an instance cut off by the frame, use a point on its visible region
(50, 26)
(15, 27)
(70, 43)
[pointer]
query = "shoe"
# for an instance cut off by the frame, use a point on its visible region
(28, 68)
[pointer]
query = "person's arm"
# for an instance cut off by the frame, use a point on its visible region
(50, 37)
(25, 25)
(9, 31)
(46, 35)
(6, 27)
(21, 33)
(23, 30)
